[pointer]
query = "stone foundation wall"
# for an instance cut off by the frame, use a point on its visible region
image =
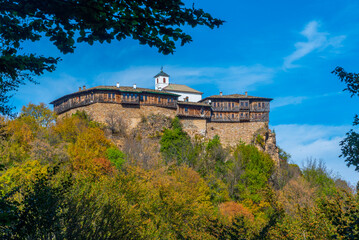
(195, 126)
(131, 115)
(232, 133)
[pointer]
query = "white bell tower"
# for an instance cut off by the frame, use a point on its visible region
(162, 80)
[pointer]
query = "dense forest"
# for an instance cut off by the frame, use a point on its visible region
(69, 179)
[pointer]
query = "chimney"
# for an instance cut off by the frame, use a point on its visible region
(118, 85)
(134, 86)
(84, 87)
(246, 93)
(79, 88)
(220, 93)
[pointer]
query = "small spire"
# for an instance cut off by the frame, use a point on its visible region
(161, 68)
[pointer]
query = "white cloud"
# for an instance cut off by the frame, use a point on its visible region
(48, 90)
(228, 79)
(316, 41)
(315, 141)
(290, 100)
(295, 100)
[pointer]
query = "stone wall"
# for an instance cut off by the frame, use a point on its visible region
(131, 115)
(195, 126)
(232, 133)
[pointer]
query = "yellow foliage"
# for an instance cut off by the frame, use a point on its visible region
(69, 128)
(183, 202)
(20, 175)
(90, 144)
(232, 209)
(20, 131)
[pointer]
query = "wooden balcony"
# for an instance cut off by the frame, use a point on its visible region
(224, 119)
(75, 104)
(244, 107)
(130, 100)
(100, 99)
(263, 118)
(244, 118)
(260, 109)
(225, 109)
(195, 115)
(164, 104)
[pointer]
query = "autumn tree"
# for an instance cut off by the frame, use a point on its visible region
(154, 23)
(350, 144)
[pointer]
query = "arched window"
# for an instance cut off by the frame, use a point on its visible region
(164, 80)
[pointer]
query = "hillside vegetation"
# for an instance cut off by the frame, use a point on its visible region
(67, 179)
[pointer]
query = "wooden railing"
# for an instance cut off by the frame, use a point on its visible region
(255, 108)
(226, 109)
(164, 104)
(188, 114)
(130, 100)
(244, 118)
(100, 99)
(224, 119)
(73, 104)
(244, 107)
(262, 118)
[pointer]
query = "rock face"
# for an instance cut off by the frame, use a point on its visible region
(265, 140)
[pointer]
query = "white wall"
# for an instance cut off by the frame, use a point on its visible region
(192, 97)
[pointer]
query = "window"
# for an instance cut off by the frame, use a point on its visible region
(141, 98)
(113, 95)
(232, 115)
(186, 109)
(246, 104)
(145, 98)
(232, 105)
(164, 80)
(241, 114)
(135, 96)
(220, 115)
(159, 99)
(202, 111)
(131, 95)
(157, 80)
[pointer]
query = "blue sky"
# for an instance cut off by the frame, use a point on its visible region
(285, 50)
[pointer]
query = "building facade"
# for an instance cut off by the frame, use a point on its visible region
(233, 117)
